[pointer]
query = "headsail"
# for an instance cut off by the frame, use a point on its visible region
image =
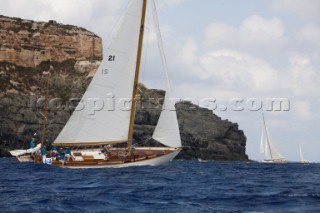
(167, 129)
(107, 101)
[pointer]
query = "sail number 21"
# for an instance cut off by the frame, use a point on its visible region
(111, 57)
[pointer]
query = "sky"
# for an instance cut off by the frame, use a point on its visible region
(232, 57)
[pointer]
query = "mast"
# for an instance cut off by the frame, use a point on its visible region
(136, 78)
(267, 135)
(45, 110)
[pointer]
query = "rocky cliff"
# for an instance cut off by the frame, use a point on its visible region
(28, 43)
(29, 50)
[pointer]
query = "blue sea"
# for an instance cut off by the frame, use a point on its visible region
(179, 186)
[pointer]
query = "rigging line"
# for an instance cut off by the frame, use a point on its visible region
(143, 142)
(146, 46)
(123, 11)
(265, 127)
(160, 45)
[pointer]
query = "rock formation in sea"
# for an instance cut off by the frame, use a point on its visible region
(29, 50)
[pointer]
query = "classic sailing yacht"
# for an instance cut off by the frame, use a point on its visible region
(271, 154)
(301, 157)
(107, 117)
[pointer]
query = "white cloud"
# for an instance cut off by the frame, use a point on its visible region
(301, 78)
(255, 32)
(22, 9)
(220, 33)
(306, 8)
(302, 109)
(309, 35)
(311, 32)
(237, 70)
(188, 51)
(71, 11)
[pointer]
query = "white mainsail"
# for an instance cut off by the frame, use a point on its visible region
(167, 129)
(270, 151)
(107, 101)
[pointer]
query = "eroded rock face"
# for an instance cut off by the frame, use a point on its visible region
(28, 43)
(71, 55)
(206, 136)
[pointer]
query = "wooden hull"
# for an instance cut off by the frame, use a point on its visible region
(115, 158)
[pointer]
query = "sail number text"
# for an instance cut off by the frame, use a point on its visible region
(111, 57)
(105, 71)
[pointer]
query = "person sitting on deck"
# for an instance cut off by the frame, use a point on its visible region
(67, 154)
(61, 154)
(54, 153)
(44, 154)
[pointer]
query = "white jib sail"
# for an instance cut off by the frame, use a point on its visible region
(167, 129)
(104, 111)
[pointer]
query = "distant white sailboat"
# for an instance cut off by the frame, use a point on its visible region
(302, 159)
(271, 154)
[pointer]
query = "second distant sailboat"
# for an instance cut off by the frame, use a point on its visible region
(302, 159)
